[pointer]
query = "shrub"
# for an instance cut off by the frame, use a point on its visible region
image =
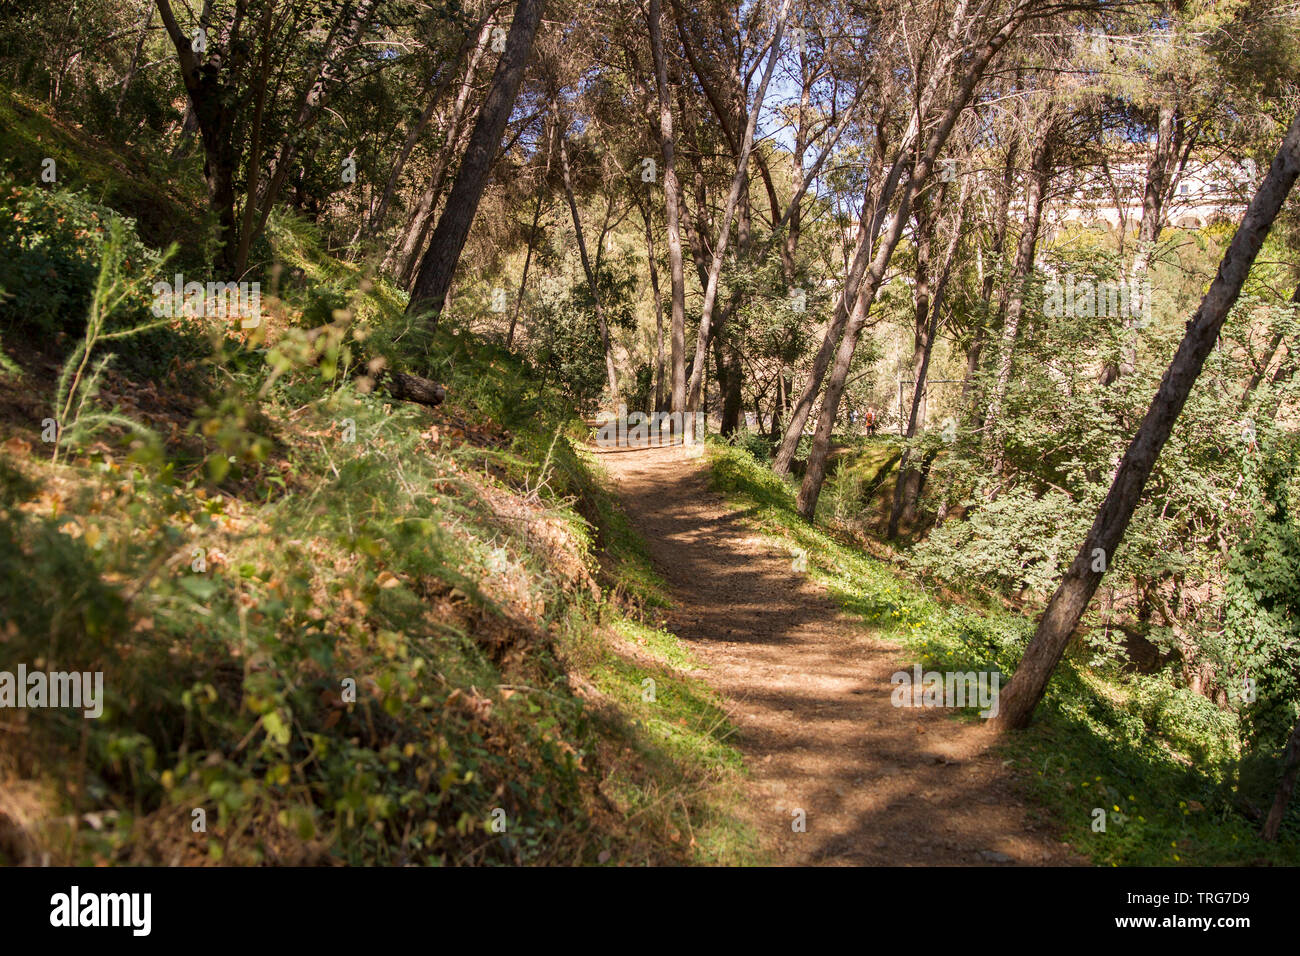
(50, 243)
(49, 258)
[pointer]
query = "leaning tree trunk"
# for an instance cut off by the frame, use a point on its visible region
(376, 223)
(815, 474)
(528, 259)
(532, 241)
(433, 281)
(845, 315)
(1067, 605)
(803, 405)
(403, 257)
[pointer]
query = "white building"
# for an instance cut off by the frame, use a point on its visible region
(1205, 192)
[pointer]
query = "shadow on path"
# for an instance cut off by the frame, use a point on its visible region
(810, 695)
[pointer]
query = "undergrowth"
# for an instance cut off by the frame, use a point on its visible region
(335, 628)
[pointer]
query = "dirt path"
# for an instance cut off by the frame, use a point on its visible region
(810, 696)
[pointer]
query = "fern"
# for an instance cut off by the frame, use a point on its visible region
(76, 420)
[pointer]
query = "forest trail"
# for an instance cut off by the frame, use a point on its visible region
(808, 689)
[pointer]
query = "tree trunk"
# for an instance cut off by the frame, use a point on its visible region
(723, 374)
(695, 387)
(803, 405)
(403, 258)
(1080, 582)
(219, 174)
(907, 146)
(1015, 301)
(1290, 769)
(659, 305)
(433, 281)
(135, 60)
(330, 73)
(208, 99)
(729, 379)
(407, 252)
(376, 223)
(781, 405)
(907, 487)
(413, 388)
(528, 258)
(815, 474)
(907, 483)
(672, 193)
(592, 282)
(969, 395)
(868, 232)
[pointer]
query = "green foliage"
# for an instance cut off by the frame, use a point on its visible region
(75, 418)
(758, 444)
(1021, 541)
(1261, 610)
(50, 247)
(158, 201)
(564, 342)
(862, 480)
(1062, 433)
(51, 260)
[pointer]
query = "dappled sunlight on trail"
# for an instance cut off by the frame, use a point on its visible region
(810, 692)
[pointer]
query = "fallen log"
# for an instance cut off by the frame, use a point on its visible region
(400, 385)
(412, 388)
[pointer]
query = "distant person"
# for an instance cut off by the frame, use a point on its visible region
(870, 420)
